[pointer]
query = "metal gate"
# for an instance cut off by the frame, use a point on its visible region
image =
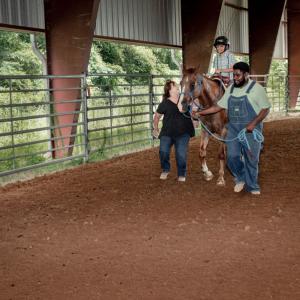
(115, 116)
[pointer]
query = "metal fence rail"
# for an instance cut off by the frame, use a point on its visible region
(115, 116)
(28, 119)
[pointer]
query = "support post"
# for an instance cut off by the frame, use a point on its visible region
(293, 51)
(69, 27)
(263, 31)
(199, 25)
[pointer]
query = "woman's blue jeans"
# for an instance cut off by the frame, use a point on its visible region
(181, 146)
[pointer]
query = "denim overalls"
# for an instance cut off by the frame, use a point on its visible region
(242, 162)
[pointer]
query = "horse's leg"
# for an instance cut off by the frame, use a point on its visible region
(204, 138)
(221, 154)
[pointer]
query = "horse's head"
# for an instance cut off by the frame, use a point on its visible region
(198, 91)
(191, 89)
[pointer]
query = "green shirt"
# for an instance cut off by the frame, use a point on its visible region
(257, 96)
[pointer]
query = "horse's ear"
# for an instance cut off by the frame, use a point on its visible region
(198, 69)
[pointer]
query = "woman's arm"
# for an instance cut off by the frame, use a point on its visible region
(156, 119)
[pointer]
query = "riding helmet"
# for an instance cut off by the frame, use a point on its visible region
(222, 40)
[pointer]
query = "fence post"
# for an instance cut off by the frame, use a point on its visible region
(131, 110)
(85, 117)
(287, 95)
(12, 125)
(111, 113)
(151, 104)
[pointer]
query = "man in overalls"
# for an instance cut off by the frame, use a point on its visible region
(247, 105)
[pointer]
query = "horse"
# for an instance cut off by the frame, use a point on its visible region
(200, 92)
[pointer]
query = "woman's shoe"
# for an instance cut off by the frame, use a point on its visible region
(164, 175)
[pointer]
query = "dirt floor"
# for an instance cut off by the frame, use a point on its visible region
(114, 230)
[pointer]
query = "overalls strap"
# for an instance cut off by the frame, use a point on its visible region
(248, 89)
(232, 88)
(250, 86)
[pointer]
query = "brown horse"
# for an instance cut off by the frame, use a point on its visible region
(200, 92)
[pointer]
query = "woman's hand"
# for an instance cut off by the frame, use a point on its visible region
(155, 133)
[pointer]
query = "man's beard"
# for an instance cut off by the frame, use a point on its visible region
(240, 84)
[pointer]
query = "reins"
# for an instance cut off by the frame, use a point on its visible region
(241, 136)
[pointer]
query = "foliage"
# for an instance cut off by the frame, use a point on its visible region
(17, 57)
(279, 67)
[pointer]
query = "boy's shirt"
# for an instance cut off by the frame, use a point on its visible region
(224, 60)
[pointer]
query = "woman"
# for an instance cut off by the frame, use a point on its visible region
(176, 130)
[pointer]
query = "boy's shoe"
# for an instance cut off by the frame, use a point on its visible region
(164, 175)
(181, 178)
(239, 187)
(255, 192)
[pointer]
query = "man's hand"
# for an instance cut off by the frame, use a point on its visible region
(155, 133)
(262, 114)
(195, 114)
(218, 71)
(250, 127)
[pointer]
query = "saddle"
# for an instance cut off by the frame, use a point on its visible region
(225, 80)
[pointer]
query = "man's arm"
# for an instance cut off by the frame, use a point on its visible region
(212, 110)
(262, 114)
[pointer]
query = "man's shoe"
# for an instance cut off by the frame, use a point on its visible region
(181, 178)
(239, 187)
(255, 192)
(164, 175)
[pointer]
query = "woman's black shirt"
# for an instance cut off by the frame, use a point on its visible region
(174, 122)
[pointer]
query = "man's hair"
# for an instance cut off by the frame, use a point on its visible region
(241, 66)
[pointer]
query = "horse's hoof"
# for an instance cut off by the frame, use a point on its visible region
(208, 175)
(221, 182)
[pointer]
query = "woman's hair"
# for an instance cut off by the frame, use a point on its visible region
(168, 85)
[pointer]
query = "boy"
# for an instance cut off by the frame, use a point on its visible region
(224, 60)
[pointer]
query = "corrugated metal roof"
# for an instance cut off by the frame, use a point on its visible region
(154, 21)
(240, 3)
(149, 21)
(22, 13)
(233, 23)
(281, 50)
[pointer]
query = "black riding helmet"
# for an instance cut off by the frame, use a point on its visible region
(222, 40)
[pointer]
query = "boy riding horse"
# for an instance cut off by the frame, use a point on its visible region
(223, 61)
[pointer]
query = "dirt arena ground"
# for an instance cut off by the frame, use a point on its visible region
(113, 230)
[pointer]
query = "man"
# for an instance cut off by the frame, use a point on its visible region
(247, 105)
(224, 60)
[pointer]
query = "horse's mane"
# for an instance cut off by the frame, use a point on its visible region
(194, 72)
(190, 71)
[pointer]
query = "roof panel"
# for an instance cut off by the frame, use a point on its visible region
(151, 21)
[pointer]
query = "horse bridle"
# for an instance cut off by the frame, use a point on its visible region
(198, 82)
